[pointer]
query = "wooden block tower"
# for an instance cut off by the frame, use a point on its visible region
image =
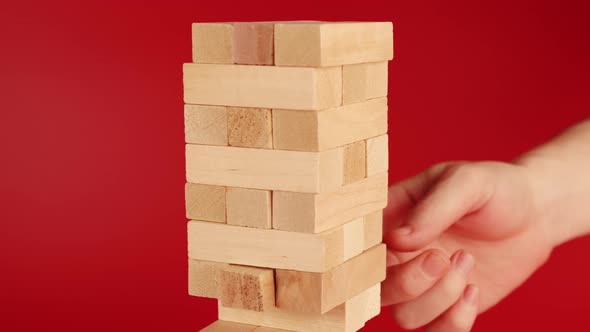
(286, 166)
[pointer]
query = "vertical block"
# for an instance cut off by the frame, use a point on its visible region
(222, 326)
(249, 207)
(249, 127)
(373, 231)
(364, 307)
(203, 278)
(213, 43)
(205, 124)
(377, 155)
(247, 288)
(354, 231)
(354, 162)
(364, 81)
(254, 43)
(205, 202)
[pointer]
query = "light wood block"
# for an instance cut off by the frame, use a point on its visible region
(205, 124)
(355, 165)
(203, 278)
(320, 292)
(377, 155)
(325, 44)
(309, 172)
(254, 43)
(222, 326)
(247, 287)
(205, 202)
(314, 213)
(373, 229)
(213, 42)
(329, 128)
(249, 127)
(269, 329)
(262, 86)
(348, 317)
(249, 207)
(364, 81)
(275, 249)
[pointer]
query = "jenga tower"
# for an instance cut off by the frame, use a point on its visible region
(286, 164)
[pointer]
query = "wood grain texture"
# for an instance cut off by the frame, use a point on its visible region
(262, 86)
(355, 165)
(364, 81)
(323, 44)
(203, 278)
(205, 202)
(320, 292)
(329, 128)
(205, 124)
(249, 127)
(222, 326)
(247, 287)
(212, 42)
(314, 213)
(309, 172)
(249, 207)
(348, 317)
(373, 229)
(254, 43)
(377, 155)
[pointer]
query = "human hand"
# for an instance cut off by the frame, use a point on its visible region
(460, 237)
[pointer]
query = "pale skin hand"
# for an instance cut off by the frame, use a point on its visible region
(462, 236)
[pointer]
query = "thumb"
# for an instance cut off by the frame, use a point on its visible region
(460, 190)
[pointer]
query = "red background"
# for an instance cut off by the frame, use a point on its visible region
(92, 166)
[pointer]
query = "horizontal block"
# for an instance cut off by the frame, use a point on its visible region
(321, 292)
(373, 231)
(348, 317)
(377, 155)
(205, 124)
(355, 164)
(249, 127)
(262, 86)
(247, 287)
(309, 172)
(364, 81)
(213, 42)
(269, 329)
(314, 213)
(222, 326)
(203, 278)
(324, 44)
(205, 202)
(272, 248)
(254, 43)
(249, 207)
(329, 128)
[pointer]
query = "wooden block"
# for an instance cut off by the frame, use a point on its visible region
(327, 44)
(213, 43)
(329, 128)
(247, 287)
(249, 207)
(269, 329)
(203, 278)
(254, 43)
(249, 127)
(320, 292)
(205, 124)
(205, 202)
(373, 229)
(222, 326)
(364, 81)
(377, 155)
(275, 249)
(262, 86)
(355, 166)
(346, 318)
(314, 213)
(309, 172)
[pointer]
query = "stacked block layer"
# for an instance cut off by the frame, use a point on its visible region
(286, 164)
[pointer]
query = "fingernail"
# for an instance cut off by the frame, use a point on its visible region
(434, 265)
(470, 294)
(463, 262)
(404, 230)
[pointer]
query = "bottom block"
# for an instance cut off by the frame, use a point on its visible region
(348, 317)
(221, 326)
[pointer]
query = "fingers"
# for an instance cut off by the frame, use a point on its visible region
(409, 280)
(461, 316)
(460, 190)
(439, 298)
